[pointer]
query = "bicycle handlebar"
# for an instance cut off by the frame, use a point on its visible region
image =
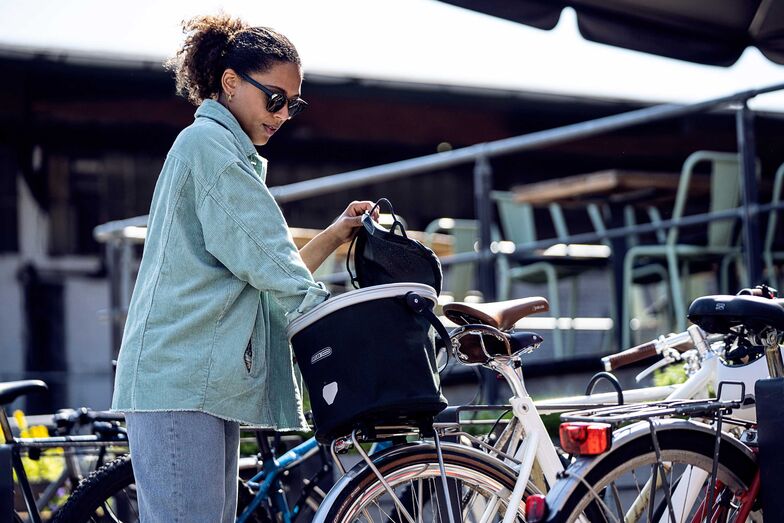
(629, 356)
(681, 341)
(66, 420)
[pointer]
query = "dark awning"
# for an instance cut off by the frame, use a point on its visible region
(713, 32)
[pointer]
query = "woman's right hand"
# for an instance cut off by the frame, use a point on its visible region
(343, 228)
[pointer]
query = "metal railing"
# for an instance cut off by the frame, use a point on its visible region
(112, 232)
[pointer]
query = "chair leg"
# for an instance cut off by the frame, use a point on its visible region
(724, 272)
(555, 309)
(570, 335)
(678, 306)
(625, 312)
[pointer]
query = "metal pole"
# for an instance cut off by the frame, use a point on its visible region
(115, 298)
(483, 175)
(526, 142)
(750, 198)
(483, 180)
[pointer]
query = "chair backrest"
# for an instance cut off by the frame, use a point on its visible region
(517, 219)
(724, 193)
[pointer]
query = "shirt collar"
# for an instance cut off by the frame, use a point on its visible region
(214, 110)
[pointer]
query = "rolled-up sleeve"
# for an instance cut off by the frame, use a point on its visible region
(244, 229)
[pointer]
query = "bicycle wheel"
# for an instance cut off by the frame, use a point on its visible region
(623, 479)
(106, 495)
(479, 488)
(109, 495)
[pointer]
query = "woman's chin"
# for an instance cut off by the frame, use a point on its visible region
(260, 139)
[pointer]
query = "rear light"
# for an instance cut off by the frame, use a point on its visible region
(535, 508)
(585, 438)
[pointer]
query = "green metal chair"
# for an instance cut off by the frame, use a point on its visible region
(519, 227)
(724, 194)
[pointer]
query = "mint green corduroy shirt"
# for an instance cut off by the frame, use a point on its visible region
(219, 280)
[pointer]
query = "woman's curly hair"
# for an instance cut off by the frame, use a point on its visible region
(219, 42)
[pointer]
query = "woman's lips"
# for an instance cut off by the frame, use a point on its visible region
(270, 130)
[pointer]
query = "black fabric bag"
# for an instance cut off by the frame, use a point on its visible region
(367, 359)
(381, 256)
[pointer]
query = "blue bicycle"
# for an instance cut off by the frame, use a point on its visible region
(274, 493)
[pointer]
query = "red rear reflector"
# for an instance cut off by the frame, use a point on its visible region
(585, 438)
(535, 508)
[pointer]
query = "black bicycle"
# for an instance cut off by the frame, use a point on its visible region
(84, 438)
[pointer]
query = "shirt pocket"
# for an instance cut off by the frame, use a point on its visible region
(254, 357)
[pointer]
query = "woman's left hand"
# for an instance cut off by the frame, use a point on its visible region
(342, 229)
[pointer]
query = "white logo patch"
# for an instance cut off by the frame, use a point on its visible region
(329, 392)
(320, 355)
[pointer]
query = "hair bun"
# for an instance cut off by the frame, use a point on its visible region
(199, 62)
(214, 43)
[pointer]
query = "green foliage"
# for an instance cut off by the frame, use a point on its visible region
(488, 416)
(670, 375)
(552, 422)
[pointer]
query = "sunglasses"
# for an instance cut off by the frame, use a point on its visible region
(276, 101)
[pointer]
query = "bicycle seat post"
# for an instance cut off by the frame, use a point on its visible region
(773, 354)
(508, 368)
(265, 450)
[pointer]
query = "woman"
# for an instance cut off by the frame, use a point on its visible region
(204, 346)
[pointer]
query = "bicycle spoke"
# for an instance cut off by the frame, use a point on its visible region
(617, 496)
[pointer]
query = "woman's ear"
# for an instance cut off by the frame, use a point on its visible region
(229, 81)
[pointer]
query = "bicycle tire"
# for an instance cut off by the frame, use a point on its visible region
(106, 495)
(479, 478)
(683, 445)
(88, 503)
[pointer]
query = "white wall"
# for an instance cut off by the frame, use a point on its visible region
(87, 333)
(11, 320)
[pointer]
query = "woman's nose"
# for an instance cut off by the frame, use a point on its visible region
(283, 114)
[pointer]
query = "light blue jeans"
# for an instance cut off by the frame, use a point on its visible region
(185, 465)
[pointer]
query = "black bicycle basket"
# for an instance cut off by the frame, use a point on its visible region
(368, 360)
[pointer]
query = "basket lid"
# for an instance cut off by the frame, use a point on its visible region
(376, 292)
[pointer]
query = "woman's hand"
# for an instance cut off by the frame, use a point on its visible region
(339, 232)
(343, 228)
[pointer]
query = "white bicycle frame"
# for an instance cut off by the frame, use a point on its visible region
(536, 446)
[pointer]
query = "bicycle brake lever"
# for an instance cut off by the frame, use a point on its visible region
(666, 360)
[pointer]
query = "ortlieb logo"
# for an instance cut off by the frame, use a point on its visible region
(320, 355)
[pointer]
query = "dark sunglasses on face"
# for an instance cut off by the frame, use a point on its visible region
(276, 101)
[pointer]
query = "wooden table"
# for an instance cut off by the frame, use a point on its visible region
(614, 186)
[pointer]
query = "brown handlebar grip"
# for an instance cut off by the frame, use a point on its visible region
(640, 352)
